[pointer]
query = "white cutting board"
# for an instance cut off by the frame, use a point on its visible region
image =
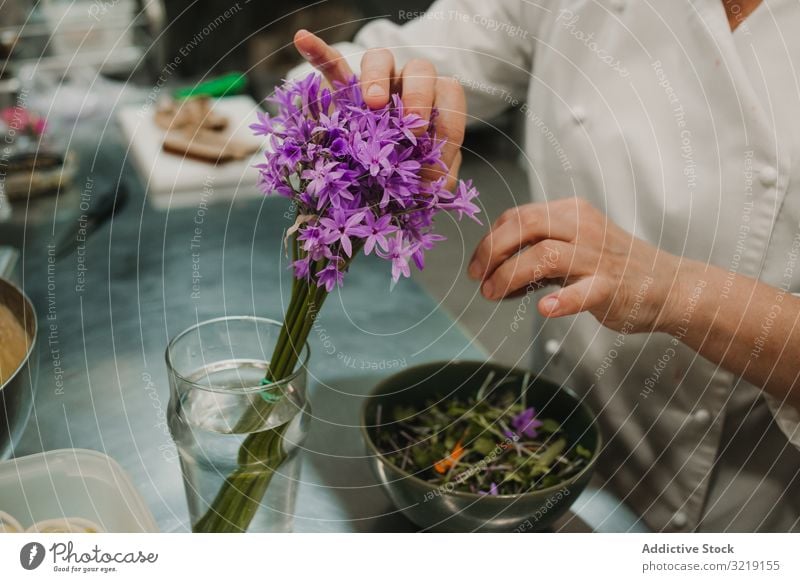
(172, 180)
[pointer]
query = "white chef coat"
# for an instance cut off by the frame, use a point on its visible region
(687, 135)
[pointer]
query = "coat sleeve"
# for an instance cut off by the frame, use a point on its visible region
(487, 46)
(786, 416)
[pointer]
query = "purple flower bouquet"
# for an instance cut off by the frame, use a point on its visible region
(354, 177)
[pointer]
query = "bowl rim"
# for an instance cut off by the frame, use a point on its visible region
(33, 339)
(466, 495)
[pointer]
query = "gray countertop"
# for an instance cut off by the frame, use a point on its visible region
(106, 317)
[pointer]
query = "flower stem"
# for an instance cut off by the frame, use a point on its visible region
(262, 452)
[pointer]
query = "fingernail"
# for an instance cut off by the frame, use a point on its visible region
(375, 90)
(488, 290)
(550, 304)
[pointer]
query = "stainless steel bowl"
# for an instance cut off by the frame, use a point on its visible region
(16, 393)
(437, 509)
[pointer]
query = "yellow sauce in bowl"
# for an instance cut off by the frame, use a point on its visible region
(14, 343)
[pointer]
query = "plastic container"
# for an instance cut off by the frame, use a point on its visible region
(73, 483)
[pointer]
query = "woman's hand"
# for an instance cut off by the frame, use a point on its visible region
(740, 323)
(621, 280)
(419, 86)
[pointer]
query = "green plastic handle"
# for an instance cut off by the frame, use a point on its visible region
(230, 84)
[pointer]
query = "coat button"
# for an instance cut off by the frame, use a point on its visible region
(552, 347)
(701, 416)
(723, 376)
(679, 520)
(768, 176)
(578, 114)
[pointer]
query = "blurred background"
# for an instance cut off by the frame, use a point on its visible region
(80, 82)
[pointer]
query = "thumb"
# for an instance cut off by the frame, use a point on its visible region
(582, 295)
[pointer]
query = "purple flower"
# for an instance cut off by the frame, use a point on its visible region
(323, 180)
(374, 158)
(493, 490)
(408, 123)
(338, 147)
(330, 276)
(289, 153)
(355, 174)
(462, 203)
(399, 253)
(374, 231)
(264, 124)
(312, 240)
(302, 268)
(525, 423)
(340, 228)
(426, 242)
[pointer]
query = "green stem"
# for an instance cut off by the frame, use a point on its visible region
(262, 452)
(240, 496)
(254, 417)
(284, 355)
(292, 315)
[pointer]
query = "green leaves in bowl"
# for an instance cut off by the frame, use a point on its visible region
(489, 443)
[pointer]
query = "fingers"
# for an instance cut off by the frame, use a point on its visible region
(548, 259)
(452, 175)
(451, 105)
(419, 89)
(326, 59)
(377, 72)
(584, 295)
(452, 120)
(517, 228)
(565, 208)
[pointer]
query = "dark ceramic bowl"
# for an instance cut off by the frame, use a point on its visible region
(433, 508)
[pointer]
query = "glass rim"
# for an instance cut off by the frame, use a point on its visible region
(302, 361)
